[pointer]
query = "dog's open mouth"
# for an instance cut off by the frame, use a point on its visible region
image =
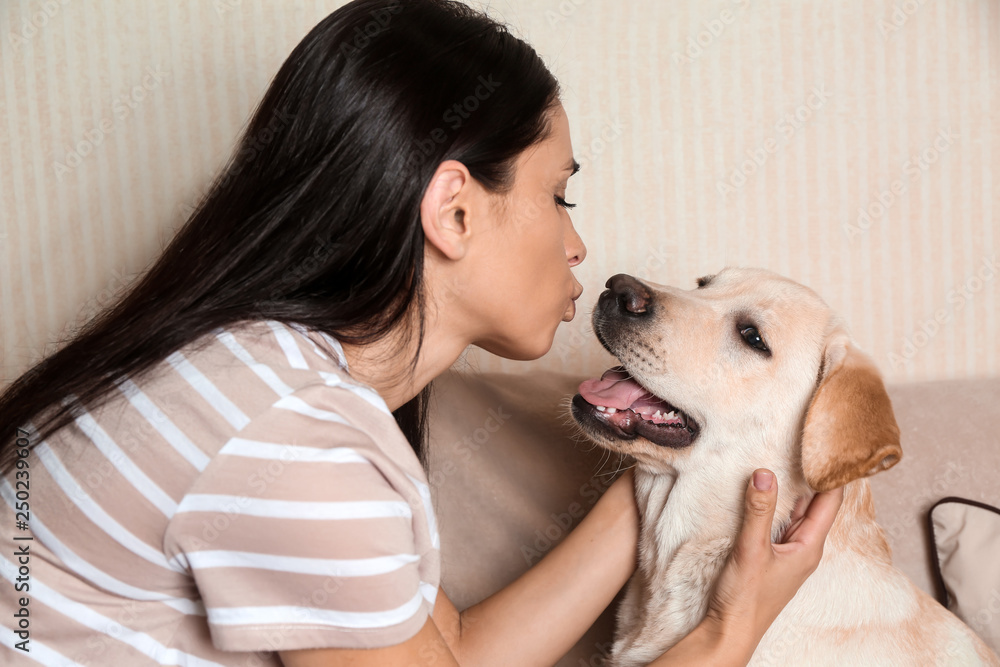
(626, 409)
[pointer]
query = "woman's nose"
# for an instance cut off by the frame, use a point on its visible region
(576, 251)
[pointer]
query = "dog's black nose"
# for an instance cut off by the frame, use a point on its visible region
(625, 296)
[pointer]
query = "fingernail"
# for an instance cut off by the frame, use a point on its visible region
(762, 480)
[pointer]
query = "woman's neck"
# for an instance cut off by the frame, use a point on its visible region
(385, 365)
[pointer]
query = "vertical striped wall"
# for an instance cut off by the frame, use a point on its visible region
(850, 145)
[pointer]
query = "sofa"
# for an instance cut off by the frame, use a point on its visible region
(510, 478)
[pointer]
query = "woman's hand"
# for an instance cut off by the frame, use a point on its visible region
(761, 577)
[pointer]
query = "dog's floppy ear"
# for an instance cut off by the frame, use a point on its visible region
(850, 430)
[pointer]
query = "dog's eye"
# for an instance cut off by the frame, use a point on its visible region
(753, 339)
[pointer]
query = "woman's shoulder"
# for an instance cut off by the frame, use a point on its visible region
(276, 344)
(300, 364)
(257, 359)
(319, 428)
(262, 373)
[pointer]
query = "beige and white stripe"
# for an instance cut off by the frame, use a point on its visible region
(249, 488)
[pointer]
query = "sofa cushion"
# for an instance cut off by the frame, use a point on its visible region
(966, 560)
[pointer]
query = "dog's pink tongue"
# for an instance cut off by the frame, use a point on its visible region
(614, 390)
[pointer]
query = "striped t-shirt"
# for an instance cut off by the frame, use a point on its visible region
(247, 497)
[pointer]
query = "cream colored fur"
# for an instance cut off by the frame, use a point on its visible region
(856, 608)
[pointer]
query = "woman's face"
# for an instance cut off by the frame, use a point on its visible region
(524, 254)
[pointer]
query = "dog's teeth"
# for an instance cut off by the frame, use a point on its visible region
(612, 411)
(601, 408)
(656, 415)
(670, 415)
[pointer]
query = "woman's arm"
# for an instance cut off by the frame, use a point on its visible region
(427, 648)
(540, 616)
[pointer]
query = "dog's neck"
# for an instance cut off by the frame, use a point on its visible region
(693, 506)
(689, 524)
(680, 509)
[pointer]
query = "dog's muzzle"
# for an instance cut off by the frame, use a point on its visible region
(616, 405)
(625, 297)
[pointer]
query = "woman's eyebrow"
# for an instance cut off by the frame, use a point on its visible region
(573, 166)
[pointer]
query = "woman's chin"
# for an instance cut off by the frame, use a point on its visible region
(570, 312)
(527, 348)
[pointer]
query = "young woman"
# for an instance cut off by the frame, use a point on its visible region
(225, 467)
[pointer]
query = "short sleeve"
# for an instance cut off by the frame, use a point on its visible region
(299, 534)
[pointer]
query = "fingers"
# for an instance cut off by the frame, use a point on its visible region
(761, 499)
(799, 510)
(819, 517)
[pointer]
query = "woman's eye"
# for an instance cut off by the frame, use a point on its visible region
(753, 339)
(562, 202)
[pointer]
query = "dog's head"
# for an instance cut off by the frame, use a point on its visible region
(748, 369)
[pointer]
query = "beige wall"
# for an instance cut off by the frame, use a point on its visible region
(115, 114)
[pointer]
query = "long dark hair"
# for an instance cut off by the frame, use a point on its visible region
(316, 217)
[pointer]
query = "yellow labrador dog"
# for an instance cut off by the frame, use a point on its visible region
(753, 370)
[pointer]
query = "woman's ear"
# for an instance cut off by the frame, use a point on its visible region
(444, 208)
(850, 430)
